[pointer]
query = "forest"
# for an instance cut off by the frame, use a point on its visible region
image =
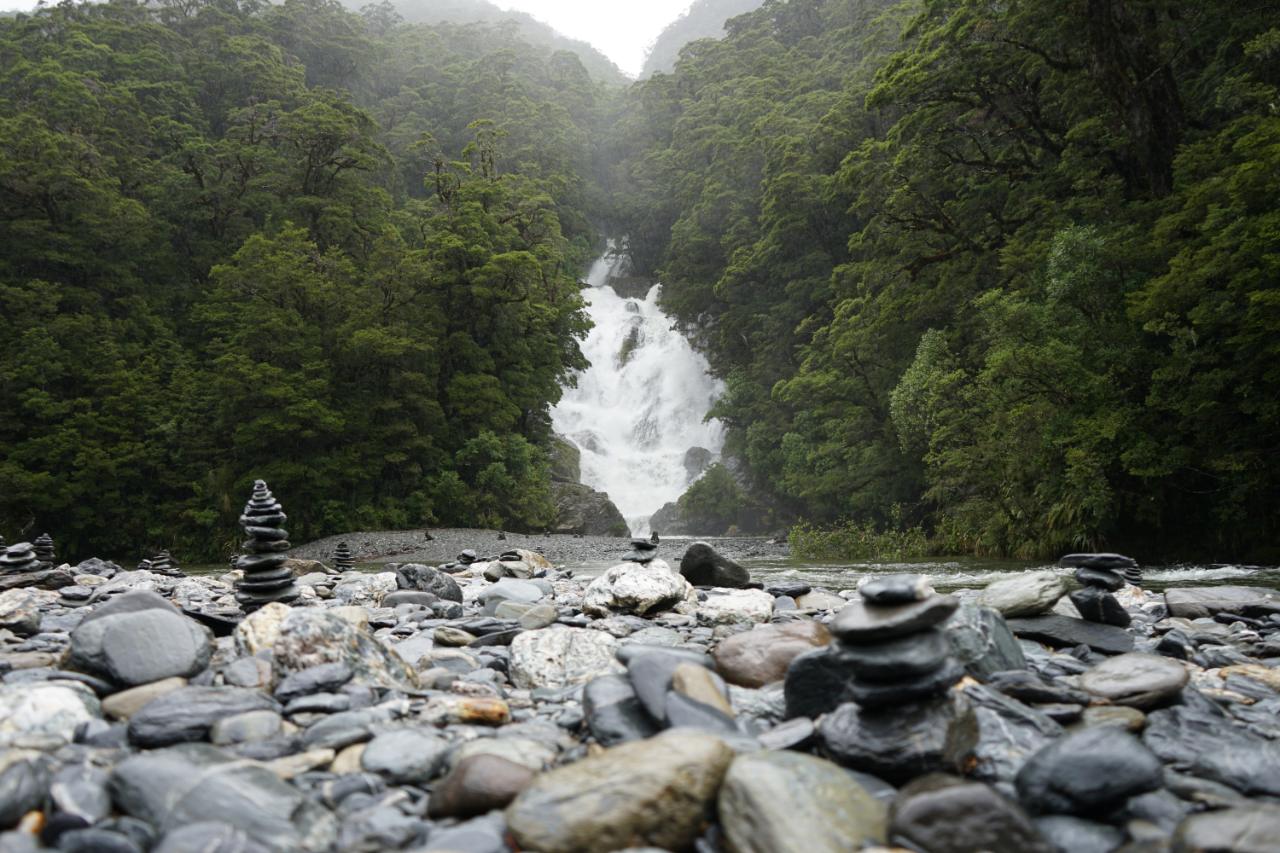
(1002, 275)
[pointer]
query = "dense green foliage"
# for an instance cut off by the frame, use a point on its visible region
(704, 19)
(1011, 267)
(239, 240)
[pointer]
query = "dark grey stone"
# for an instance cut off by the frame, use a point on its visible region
(1197, 737)
(194, 783)
(904, 658)
(1008, 732)
(614, 714)
(683, 712)
(1103, 578)
(96, 841)
(1097, 605)
(23, 784)
(816, 683)
(324, 678)
(944, 814)
(409, 755)
(137, 638)
(895, 589)
(881, 695)
(650, 675)
(899, 744)
(1027, 686)
(187, 713)
(861, 622)
(416, 577)
(702, 565)
(981, 640)
(1088, 772)
(1097, 561)
(81, 790)
(1067, 632)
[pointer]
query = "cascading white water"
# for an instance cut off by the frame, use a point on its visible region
(641, 406)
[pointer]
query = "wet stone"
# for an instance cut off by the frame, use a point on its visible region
(1137, 680)
(1097, 605)
(1108, 580)
(895, 589)
(945, 814)
(882, 695)
(1098, 561)
(916, 656)
(1088, 772)
(865, 623)
(901, 743)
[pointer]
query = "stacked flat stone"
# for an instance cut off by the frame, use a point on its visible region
(342, 559)
(163, 564)
(44, 550)
(1101, 575)
(19, 558)
(891, 644)
(266, 577)
(642, 551)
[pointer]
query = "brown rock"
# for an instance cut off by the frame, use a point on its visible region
(126, 703)
(701, 685)
(648, 793)
(477, 785)
(469, 710)
(761, 656)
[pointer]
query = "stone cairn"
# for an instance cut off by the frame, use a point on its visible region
(654, 538)
(44, 550)
(163, 564)
(1101, 575)
(642, 551)
(342, 559)
(266, 577)
(19, 558)
(891, 644)
(467, 557)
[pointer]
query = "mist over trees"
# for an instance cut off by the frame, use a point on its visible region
(704, 19)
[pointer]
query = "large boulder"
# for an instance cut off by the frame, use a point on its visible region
(581, 509)
(788, 802)
(302, 638)
(640, 589)
(761, 656)
(420, 578)
(138, 638)
(1194, 602)
(193, 783)
(702, 565)
(652, 793)
(559, 656)
(1026, 594)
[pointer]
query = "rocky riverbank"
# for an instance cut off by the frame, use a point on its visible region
(505, 705)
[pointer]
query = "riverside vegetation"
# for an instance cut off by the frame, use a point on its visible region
(1009, 269)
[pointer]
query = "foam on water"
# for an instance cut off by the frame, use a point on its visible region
(641, 405)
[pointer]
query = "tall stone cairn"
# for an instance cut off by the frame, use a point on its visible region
(19, 558)
(342, 559)
(163, 564)
(44, 550)
(266, 577)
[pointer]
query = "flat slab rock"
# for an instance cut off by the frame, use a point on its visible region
(1136, 680)
(1194, 602)
(1065, 632)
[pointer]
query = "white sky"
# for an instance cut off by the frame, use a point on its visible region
(620, 30)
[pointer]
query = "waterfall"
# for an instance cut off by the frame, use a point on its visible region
(637, 413)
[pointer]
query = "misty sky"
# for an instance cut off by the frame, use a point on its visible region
(620, 30)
